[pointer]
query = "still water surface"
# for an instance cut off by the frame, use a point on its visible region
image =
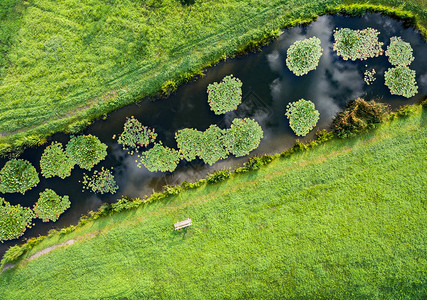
(268, 86)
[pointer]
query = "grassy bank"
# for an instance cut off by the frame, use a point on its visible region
(346, 219)
(64, 63)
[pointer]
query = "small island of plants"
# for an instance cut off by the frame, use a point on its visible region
(100, 182)
(50, 205)
(399, 52)
(226, 95)
(401, 81)
(135, 135)
(303, 56)
(14, 220)
(54, 162)
(18, 176)
(302, 116)
(160, 158)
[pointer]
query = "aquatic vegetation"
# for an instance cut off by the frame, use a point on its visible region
(135, 135)
(399, 52)
(189, 142)
(401, 81)
(358, 116)
(86, 151)
(303, 56)
(302, 116)
(50, 205)
(212, 146)
(226, 95)
(54, 162)
(243, 136)
(18, 175)
(369, 76)
(357, 44)
(160, 158)
(14, 219)
(101, 182)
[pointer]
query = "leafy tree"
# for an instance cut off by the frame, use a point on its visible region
(226, 95)
(243, 136)
(54, 162)
(357, 44)
(135, 135)
(212, 145)
(100, 182)
(399, 52)
(303, 56)
(302, 116)
(358, 116)
(18, 175)
(401, 81)
(160, 158)
(189, 142)
(14, 220)
(86, 151)
(50, 205)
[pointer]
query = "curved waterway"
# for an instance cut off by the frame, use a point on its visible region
(268, 86)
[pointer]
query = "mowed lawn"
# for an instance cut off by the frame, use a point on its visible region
(65, 62)
(344, 220)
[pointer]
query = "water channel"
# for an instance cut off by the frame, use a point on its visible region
(268, 86)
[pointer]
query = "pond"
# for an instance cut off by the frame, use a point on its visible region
(268, 86)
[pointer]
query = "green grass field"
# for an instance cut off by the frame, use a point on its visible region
(63, 63)
(344, 220)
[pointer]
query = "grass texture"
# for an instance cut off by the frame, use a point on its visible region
(65, 62)
(344, 220)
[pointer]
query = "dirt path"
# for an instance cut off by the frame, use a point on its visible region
(49, 249)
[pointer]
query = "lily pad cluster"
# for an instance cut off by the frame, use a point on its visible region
(226, 95)
(100, 182)
(243, 136)
(215, 143)
(303, 56)
(357, 44)
(54, 162)
(369, 76)
(18, 176)
(399, 52)
(401, 81)
(86, 151)
(135, 135)
(302, 116)
(50, 205)
(160, 158)
(14, 220)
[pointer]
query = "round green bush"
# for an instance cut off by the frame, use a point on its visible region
(86, 151)
(212, 145)
(18, 175)
(50, 205)
(302, 116)
(160, 158)
(399, 52)
(14, 220)
(357, 44)
(135, 135)
(189, 142)
(101, 182)
(243, 136)
(401, 81)
(226, 95)
(303, 56)
(54, 162)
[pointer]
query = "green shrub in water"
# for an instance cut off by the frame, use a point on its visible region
(160, 158)
(226, 95)
(357, 44)
(86, 151)
(100, 182)
(243, 136)
(399, 52)
(303, 56)
(50, 205)
(189, 142)
(135, 135)
(14, 220)
(401, 81)
(302, 116)
(54, 162)
(18, 175)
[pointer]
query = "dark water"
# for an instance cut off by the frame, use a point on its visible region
(268, 86)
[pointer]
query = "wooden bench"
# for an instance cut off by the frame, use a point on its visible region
(182, 224)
